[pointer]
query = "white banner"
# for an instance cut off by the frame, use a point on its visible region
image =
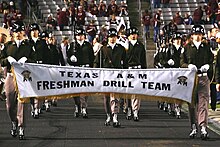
(37, 80)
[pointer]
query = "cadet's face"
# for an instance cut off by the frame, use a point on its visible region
(133, 36)
(18, 35)
(177, 41)
(197, 37)
(35, 33)
(80, 37)
(112, 39)
(2, 38)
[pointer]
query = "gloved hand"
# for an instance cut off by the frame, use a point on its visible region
(217, 87)
(204, 68)
(11, 59)
(73, 58)
(192, 67)
(171, 62)
(22, 60)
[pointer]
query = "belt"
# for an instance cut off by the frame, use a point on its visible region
(85, 65)
(134, 67)
(202, 75)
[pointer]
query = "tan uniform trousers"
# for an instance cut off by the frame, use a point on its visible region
(111, 104)
(199, 110)
(81, 101)
(134, 102)
(15, 109)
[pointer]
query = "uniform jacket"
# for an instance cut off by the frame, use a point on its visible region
(11, 49)
(111, 58)
(136, 55)
(84, 54)
(198, 57)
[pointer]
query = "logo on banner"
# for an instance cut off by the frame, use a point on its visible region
(182, 80)
(26, 75)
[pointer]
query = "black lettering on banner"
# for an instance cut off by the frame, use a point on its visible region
(86, 75)
(119, 76)
(78, 75)
(70, 74)
(62, 73)
(142, 76)
(150, 85)
(106, 83)
(130, 76)
(59, 85)
(95, 75)
(39, 85)
(156, 86)
(45, 84)
(52, 84)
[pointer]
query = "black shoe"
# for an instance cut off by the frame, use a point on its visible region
(21, 133)
(107, 123)
(204, 136)
(136, 119)
(76, 114)
(116, 124)
(128, 117)
(193, 134)
(13, 131)
(84, 115)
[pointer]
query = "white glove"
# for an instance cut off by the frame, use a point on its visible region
(11, 59)
(22, 60)
(170, 62)
(73, 58)
(204, 68)
(192, 67)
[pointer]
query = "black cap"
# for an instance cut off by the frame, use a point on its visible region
(44, 34)
(177, 35)
(17, 27)
(197, 29)
(34, 26)
(80, 31)
(133, 30)
(112, 32)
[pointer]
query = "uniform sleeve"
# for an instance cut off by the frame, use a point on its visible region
(3, 57)
(217, 73)
(143, 58)
(183, 58)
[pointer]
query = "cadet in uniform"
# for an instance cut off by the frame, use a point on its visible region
(173, 61)
(136, 59)
(112, 55)
(18, 50)
(80, 54)
(42, 57)
(197, 56)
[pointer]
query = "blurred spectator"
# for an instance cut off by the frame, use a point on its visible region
(6, 19)
(156, 3)
(11, 7)
(113, 22)
(187, 19)
(157, 22)
(123, 9)
(63, 19)
(103, 35)
(95, 11)
(146, 21)
(102, 11)
(84, 4)
(72, 12)
(96, 45)
(178, 19)
(4, 6)
(91, 6)
(209, 14)
(112, 8)
(91, 30)
(80, 16)
(51, 23)
(197, 15)
(166, 3)
(217, 13)
(213, 4)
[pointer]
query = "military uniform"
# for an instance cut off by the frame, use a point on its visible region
(111, 56)
(198, 56)
(42, 57)
(80, 54)
(136, 59)
(19, 50)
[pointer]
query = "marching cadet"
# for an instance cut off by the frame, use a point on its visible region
(197, 56)
(173, 61)
(42, 57)
(136, 59)
(18, 50)
(112, 55)
(80, 54)
(56, 58)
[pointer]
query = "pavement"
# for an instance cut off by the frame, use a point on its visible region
(59, 128)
